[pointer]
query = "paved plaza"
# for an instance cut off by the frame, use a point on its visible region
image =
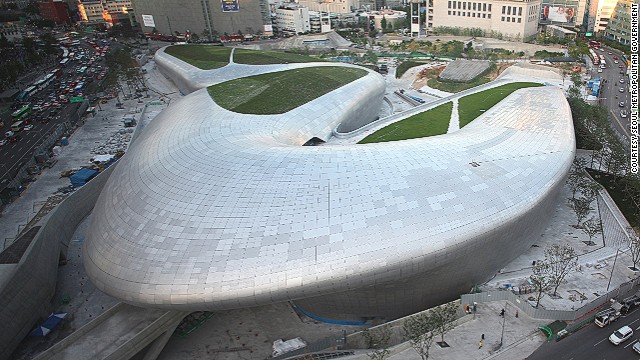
(462, 70)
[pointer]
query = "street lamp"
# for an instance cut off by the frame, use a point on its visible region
(613, 268)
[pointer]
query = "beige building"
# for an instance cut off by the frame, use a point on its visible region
(95, 10)
(510, 18)
(332, 6)
(600, 11)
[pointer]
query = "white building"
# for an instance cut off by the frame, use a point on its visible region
(293, 18)
(12, 31)
(600, 11)
(512, 19)
(331, 6)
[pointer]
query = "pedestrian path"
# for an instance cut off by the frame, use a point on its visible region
(454, 123)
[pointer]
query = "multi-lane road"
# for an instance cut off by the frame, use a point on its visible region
(592, 343)
(13, 155)
(610, 95)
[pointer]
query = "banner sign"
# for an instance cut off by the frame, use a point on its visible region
(230, 6)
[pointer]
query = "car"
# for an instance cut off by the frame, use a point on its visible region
(28, 127)
(621, 66)
(623, 113)
(621, 335)
(3, 142)
(636, 347)
(615, 57)
(616, 61)
(621, 90)
(621, 81)
(621, 72)
(599, 70)
(610, 53)
(621, 104)
(9, 134)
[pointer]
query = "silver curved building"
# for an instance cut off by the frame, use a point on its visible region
(214, 210)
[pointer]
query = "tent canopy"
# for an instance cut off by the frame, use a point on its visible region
(52, 321)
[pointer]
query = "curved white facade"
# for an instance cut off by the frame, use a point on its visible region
(213, 210)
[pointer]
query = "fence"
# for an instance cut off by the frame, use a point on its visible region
(588, 310)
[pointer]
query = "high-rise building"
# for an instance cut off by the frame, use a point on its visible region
(600, 12)
(203, 17)
(567, 13)
(56, 10)
(511, 19)
(619, 27)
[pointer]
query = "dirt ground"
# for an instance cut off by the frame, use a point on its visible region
(422, 77)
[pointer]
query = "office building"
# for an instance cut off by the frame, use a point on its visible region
(619, 27)
(55, 10)
(331, 6)
(510, 19)
(203, 17)
(292, 18)
(600, 11)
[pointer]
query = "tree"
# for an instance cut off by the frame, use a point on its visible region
(445, 315)
(592, 227)
(383, 23)
(560, 260)
(574, 181)
(581, 207)
(590, 189)
(540, 279)
(420, 330)
(634, 247)
(379, 341)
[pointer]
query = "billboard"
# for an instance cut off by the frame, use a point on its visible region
(230, 5)
(268, 29)
(147, 20)
(558, 14)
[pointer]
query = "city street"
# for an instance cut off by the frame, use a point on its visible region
(592, 342)
(610, 95)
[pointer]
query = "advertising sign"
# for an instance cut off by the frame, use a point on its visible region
(230, 5)
(268, 29)
(147, 20)
(558, 14)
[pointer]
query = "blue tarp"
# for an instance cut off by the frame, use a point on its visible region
(48, 325)
(82, 176)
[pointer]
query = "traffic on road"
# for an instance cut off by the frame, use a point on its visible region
(51, 100)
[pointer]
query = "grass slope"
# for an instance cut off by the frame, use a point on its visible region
(205, 57)
(254, 57)
(472, 106)
(279, 92)
(454, 87)
(431, 122)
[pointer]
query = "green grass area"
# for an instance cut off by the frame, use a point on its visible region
(617, 192)
(406, 65)
(429, 123)
(255, 57)
(279, 92)
(454, 87)
(472, 106)
(205, 57)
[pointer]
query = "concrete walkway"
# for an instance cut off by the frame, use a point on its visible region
(454, 123)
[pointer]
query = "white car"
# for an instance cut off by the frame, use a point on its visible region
(3, 142)
(621, 335)
(599, 70)
(623, 113)
(28, 127)
(636, 347)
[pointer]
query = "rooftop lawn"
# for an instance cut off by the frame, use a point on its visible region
(472, 106)
(255, 57)
(205, 57)
(279, 92)
(428, 123)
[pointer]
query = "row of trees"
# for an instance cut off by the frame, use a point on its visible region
(17, 60)
(420, 329)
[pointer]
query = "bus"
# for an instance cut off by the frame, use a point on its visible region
(57, 72)
(594, 44)
(21, 113)
(594, 57)
(79, 88)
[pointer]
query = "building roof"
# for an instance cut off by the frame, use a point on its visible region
(212, 209)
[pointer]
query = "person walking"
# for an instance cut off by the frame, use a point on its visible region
(480, 345)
